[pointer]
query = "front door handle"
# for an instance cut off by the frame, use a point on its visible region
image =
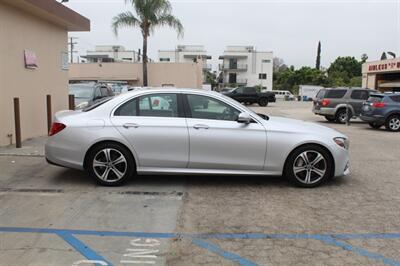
(128, 125)
(201, 126)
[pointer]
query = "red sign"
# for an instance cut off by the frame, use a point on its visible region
(30, 59)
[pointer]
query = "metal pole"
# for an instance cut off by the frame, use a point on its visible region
(49, 113)
(347, 113)
(71, 102)
(17, 123)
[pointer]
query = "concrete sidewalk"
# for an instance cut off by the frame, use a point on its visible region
(31, 147)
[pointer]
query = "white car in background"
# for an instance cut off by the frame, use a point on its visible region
(281, 95)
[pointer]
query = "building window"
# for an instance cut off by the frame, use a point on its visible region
(266, 61)
(262, 76)
(165, 60)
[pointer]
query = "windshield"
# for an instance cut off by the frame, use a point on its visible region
(81, 92)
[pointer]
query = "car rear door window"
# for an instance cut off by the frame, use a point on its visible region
(203, 107)
(127, 109)
(159, 105)
(156, 105)
(335, 94)
(359, 95)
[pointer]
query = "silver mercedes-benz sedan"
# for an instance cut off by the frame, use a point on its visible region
(189, 131)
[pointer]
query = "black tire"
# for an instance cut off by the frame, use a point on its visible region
(374, 125)
(311, 150)
(103, 164)
(263, 102)
(341, 116)
(330, 118)
(392, 123)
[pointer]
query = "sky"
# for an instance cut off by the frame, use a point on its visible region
(289, 28)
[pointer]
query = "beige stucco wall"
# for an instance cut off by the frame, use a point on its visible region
(181, 75)
(20, 31)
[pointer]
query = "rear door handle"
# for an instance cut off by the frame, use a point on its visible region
(129, 125)
(200, 126)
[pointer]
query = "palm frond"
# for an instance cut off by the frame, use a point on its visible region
(126, 19)
(171, 21)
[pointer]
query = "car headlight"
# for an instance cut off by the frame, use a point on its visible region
(342, 142)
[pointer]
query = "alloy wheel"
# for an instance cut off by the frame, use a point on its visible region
(343, 117)
(309, 167)
(109, 165)
(394, 123)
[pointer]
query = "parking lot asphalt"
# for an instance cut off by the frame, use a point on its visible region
(55, 216)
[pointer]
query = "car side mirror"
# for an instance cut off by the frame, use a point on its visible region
(244, 118)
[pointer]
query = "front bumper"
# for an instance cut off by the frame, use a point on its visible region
(342, 161)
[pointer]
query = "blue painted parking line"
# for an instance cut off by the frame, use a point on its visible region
(79, 246)
(199, 239)
(227, 255)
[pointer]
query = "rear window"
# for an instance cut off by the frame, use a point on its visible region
(335, 94)
(320, 94)
(395, 98)
(96, 104)
(375, 98)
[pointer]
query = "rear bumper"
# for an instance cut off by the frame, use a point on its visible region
(324, 111)
(379, 119)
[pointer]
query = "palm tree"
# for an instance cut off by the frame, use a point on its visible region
(150, 14)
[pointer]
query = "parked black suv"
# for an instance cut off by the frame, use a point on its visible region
(332, 103)
(382, 109)
(249, 95)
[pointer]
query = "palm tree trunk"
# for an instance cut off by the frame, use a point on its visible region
(144, 60)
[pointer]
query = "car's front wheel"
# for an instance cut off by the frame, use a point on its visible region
(393, 123)
(110, 164)
(308, 166)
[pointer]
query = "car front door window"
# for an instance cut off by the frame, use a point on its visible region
(203, 107)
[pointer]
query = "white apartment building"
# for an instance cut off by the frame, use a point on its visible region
(111, 53)
(186, 54)
(244, 66)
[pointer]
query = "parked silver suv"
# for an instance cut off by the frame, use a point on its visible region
(331, 103)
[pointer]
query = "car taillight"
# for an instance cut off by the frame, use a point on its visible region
(325, 102)
(378, 105)
(55, 128)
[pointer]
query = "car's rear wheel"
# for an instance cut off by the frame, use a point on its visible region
(393, 123)
(330, 118)
(341, 116)
(110, 164)
(309, 166)
(374, 125)
(263, 102)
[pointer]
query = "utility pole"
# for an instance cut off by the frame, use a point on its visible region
(71, 47)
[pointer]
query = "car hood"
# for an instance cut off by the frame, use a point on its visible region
(294, 125)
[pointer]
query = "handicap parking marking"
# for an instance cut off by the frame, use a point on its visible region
(145, 244)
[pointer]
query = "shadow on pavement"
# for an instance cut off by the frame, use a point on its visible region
(75, 177)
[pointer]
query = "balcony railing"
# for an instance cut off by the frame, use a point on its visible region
(207, 67)
(238, 82)
(233, 67)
